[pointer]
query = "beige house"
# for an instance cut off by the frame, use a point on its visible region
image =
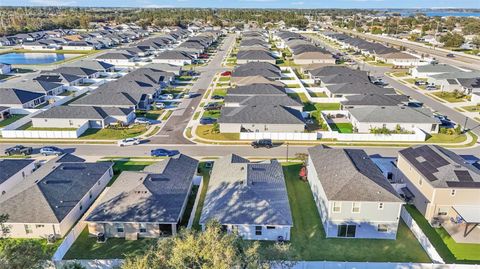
(148, 203)
(313, 57)
(52, 199)
(443, 187)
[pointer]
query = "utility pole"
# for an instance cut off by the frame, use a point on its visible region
(287, 151)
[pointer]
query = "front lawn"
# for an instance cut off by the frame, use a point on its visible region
(327, 106)
(211, 114)
(400, 74)
(86, 247)
(472, 108)
(450, 251)
(13, 118)
(219, 91)
(114, 133)
(224, 79)
(450, 97)
(343, 127)
(151, 114)
(207, 132)
(446, 138)
(301, 97)
(309, 242)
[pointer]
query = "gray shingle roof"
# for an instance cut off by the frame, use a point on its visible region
(32, 85)
(358, 88)
(9, 167)
(263, 114)
(17, 96)
(393, 114)
(240, 192)
(82, 112)
(174, 55)
(375, 100)
(254, 55)
(436, 68)
(258, 100)
(115, 56)
(91, 64)
(257, 89)
(350, 175)
(156, 194)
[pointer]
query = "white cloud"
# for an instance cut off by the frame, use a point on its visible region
(53, 2)
(299, 3)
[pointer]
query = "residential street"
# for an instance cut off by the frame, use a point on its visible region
(172, 132)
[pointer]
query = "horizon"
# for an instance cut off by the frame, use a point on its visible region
(253, 4)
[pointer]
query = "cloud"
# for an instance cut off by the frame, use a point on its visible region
(53, 2)
(259, 1)
(298, 3)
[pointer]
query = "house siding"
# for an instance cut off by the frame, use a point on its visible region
(16, 179)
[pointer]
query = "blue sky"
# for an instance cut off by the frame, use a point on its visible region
(254, 3)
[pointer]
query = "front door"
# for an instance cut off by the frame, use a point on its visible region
(346, 230)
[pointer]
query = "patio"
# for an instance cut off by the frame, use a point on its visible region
(457, 232)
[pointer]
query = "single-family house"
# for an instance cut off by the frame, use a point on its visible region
(117, 58)
(174, 57)
(17, 98)
(13, 172)
(248, 56)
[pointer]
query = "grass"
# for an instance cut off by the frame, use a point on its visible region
(3, 76)
(49, 249)
(472, 108)
(309, 242)
(188, 209)
(114, 134)
(121, 166)
(400, 74)
(206, 132)
(318, 94)
(327, 106)
(292, 86)
(13, 118)
(196, 115)
(449, 97)
(151, 114)
(205, 172)
(344, 127)
(86, 247)
(29, 127)
(167, 114)
(449, 250)
(445, 138)
(299, 96)
(221, 92)
(211, 114)
(224, 79)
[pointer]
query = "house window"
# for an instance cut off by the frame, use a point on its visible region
(90, 195)
(142, 227)
(337, 207)
(355, 207)
(258, 230)
(452, 193)
(119, 228)
(383, 228)
(28, 229)
(270, 227)
(39, 226)
(81, 207)
(380, 205)
(346, 230)
(70, 122)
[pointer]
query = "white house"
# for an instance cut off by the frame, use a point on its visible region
(13, 172)
(5, 68)
(353, 197)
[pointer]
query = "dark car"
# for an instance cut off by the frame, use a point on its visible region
(212, 106)
(262, 143)
(450, 55)
(18, 150)
(218, 97)
(46, 151)
(205, 121)
(164, 153)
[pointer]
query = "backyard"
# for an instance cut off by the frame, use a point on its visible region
(13, 118)
(28, 127)
(342, 127)
(114, 133)
(450, 251)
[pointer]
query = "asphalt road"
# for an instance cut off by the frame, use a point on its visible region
(172, 132)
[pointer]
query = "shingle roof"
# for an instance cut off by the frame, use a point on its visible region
(375, 100)
(263, 114)
(257, 89)
(9, 167)
(16, 96)
(393, 114)
(156, 194)
(91, 64)
(259, 100)
(240, 192)
(32, 85)
(82, 112)
(254, 55)
(174, 55)
(115, 55)
(436, 68)
(350, 175)
(358, 88)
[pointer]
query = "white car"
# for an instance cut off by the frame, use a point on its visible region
(143, 121)
(160, 105)
(128, 142)
(166, 96)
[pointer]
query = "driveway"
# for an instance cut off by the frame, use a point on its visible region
(172, 131)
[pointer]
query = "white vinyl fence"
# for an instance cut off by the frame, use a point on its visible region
(422, 238)
(279, 136)
(377, 265)
(68, 241)
(92, 264)
(44, 134)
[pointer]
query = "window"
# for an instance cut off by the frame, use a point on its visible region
(119, 228)
(382, 228)
(337, 207)
(81, 207)
(142, 227)
(39, 226)
(90, 195)
(346, 230)
(270, 227)
(380, 205)
(355, 207)
(258, 230)
(28, 229)
(452, 193)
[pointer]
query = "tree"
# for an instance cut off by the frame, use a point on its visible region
(13, 254)
(73, 265)
(4, 229)
(212, 248)
(454, 40)
(476, 41)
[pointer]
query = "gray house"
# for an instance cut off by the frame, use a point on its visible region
(16, 98)
(248, 198)
(247, 56)
(148, 203)
(352, 196)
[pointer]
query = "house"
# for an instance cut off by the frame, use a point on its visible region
(53, 198)
(354, 88)
(261, 118)
(249, 198)
(174, 57)
(13, 172)
(79, 116)
(475, 100)
(248, 80)
(4, 112)
(465, 82)
(40, 86)
(117, 58)
(426, 71)
(353, 197)
(399, 59)
(5, 68)
(80, 45)
(374, 99)
(60, 78)
(248, 56)
(175, 69)
(444, 187)
(364, 119)
(83, 72)
(16, 98)
(261, 100)
(99, 66)
(313, 57)
(148, 203)
(257, 89)
(317, 74)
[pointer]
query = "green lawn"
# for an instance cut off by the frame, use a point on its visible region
(318, 94)
(445, 138)
(206, 132)
(205, 172)
(211, 114)
(400, 74)
(121, 166)
(219, 91)
(449, 97)
(308, 237)
(167, 115)
(29, 127)
(86, 247)
(299, 96)
(472, 108)
(344, 127)
(151, 114)
(450, 251)
(327, 106)
(13, 118)
(114, 134)
(224, 79)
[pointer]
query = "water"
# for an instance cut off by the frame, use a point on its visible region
(34, 58)
(443, 14)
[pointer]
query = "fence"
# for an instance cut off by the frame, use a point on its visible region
(92, 264)
(195, 205)
(68, 241)
(377, 265)
(279, 136)
(44, 134)
(422, 238)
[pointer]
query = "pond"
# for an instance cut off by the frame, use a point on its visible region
(34, 58)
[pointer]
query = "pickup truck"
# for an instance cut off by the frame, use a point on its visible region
(18, 150)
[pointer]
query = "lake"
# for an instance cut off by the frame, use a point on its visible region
(34, 58)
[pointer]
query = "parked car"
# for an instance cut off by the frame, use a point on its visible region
(128, 142)
(47, 151)
(430, 88)
(226, 74)
(160, 105)
(18, 150)
(415, 104)
(164, 153)
(207, 120)
(142, 120)
(212, 106)
(450, 55)
(262, 143)
(166, 96)
(218, 97)
(434, 62)
(420, 82)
